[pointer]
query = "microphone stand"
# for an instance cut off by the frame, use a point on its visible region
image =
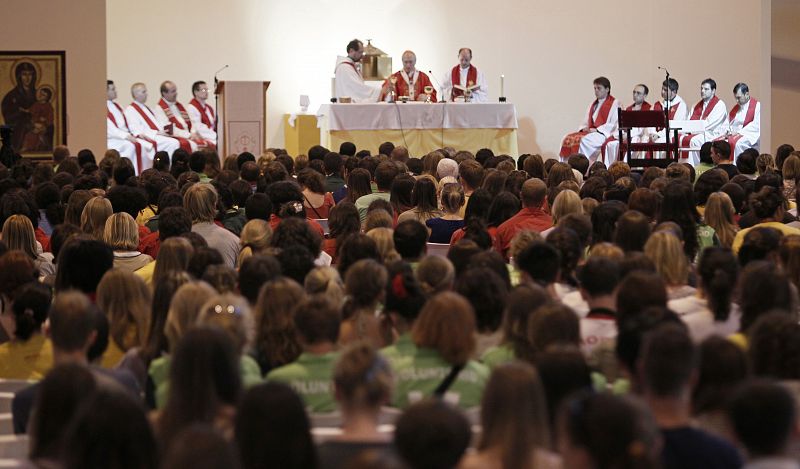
(666, 111)
(216, 104)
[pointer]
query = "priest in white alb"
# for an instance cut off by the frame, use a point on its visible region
(348, 79)
(638, 134)
(171, 114)
(465, 76)
(677, 107)
(712, 111)
(204, 121)
(599, 124)
(744, 121)
(119, 136)
(409, 81)
(143, 124)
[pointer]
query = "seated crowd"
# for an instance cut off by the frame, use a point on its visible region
(351, 310)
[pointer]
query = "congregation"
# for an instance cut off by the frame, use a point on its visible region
(368, 308)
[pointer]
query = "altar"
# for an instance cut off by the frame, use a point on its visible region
(421, 127)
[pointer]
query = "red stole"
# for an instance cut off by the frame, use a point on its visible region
(203, 115)
(748, 117)
(136, 144)
(401, 86)
(699, 114)
(672, 109)
(602, 114)
(455, 79)
(144, 115)
(172, 118)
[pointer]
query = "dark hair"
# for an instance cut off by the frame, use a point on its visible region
(563, 371)
(173, 221)
(669, 358)
(762, 414)
(354, 248)
(358, 184)
(478, 205)
(638, 291)
(127, 199)
(579, 162)
(593, 187)
(401, 192)
(254, 272)
(742, 87)
(570, 252)
(709, 182)
(718, 270)
(679, 206)
(60, 395)
(723, 148)
(82, 262)
(705, 153)
(333, 161)
(385, 173)
(296, 232)
(632, 231)
(347, 149)
(737, 195)
(404, 294)
(631, 330)
(258, 206)
(599, 276)
(317, 320)
(272, 429)
(410, 238)
(759, 244)
(30, 306)
(746, 161)
(432, 434)
(766, 202)
(723, 365)
(504, 206)
(774, 346)
(296, 262)
(355, 44)
(487, 293)
(96, 437)
(671, 83)
(604, 220)
(602, 81)
(423, 195)
(540, 261)
(203, 375)
(762, 288)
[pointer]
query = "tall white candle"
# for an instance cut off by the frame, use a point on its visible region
(333, 86)
(502, 85)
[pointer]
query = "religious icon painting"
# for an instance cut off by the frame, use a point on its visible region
(33, 101)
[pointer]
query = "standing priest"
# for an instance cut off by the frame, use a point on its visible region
(409, 81)
(349, 81)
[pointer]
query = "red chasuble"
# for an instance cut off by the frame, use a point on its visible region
(401, 87)
(455, 79)
(572, 142)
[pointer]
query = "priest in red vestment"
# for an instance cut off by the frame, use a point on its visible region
(462, 76)
(744, 121)
(638, 135)
(409, 81)
(598, 127)
(171, 114)
(712, 111)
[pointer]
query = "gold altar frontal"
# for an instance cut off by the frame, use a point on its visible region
(422, 141)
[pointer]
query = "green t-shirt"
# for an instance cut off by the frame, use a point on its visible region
(311, 376)
(159, 373)
(497, 355)
(419, 371)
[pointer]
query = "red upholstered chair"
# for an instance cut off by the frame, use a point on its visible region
(642, 119)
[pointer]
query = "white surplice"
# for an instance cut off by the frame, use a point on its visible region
(715, 126)
(591, 143)
(350, 83)
(206, 132)
(751, 133)
(681, 114)
(139, 127)
(163, 121)
(117, 133)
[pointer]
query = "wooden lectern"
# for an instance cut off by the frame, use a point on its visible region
(242, 115)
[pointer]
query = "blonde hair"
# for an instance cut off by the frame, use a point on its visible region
(791, 166)
(452, 197)
(200, 202)
(325, 280)
(264, 160)
(18, 234)
(173, 256)
(566, 202)
(362, 377)
(378, 218)
(126, 300)
(231, 313)
(765, 163)
(254, 239)
(384, 238)
(607, 250)
(121, 232)
(94, 216)
(719, 215)
(435, 274)
(666, 252)
(300, 163)
(184, 308)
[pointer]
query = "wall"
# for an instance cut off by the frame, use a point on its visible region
(785, 70)
(79, 28)
(548, 50)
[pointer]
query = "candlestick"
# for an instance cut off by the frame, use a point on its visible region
(502, 85)
(333, 88)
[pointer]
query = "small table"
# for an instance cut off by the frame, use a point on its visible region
(421, 127)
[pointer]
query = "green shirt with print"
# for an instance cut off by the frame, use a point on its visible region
(311, 376)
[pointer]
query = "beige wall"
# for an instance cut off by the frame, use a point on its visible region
(79, 28)
(549, 51)
(785, 72)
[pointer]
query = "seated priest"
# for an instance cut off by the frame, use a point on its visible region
(119, 136)
(712, 111)
(744, 121)
(408, 82)
(171, 114)
(204, 122)
(638, 134)
(677, 107)
(598, 127)
(143, 124)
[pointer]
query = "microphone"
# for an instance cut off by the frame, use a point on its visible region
(441, 90)
(217, 73)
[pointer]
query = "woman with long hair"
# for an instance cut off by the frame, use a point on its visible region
(665, 251)
(316, 201)
(126, 301)
(678, 206)
(442, 228)
(358, 184)
(720, 215)
(18, 234)
(423, 200)
(276, 338)
(254, 239)
(365, 285)
(342, 223)
(94, 216)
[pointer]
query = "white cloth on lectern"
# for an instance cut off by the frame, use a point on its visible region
(751, 133)
(139, 126)
(480, 95)
(349, 82)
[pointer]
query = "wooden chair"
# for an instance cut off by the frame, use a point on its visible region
(629, 120)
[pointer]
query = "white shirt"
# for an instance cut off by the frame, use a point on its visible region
(694, 312)
(349, 82)
(479, 95)
(753, 130)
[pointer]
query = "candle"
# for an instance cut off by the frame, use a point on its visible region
(333, 86)
(502, 83)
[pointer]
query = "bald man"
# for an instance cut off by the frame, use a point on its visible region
(465, 75)
(532, 216)
(409, 81)
(143, 124)
(171, 114)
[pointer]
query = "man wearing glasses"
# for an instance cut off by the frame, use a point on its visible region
(639, 134)
(204, 121)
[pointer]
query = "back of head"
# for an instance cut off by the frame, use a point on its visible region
(540, 261)
(563, 371)
(599, 276)
(762, 288)
(404, 295)
(410, 237)
(435, 274)
(254, 272)
(363, 378)
(774, 346)
(431, 435)
(230, 313)
(759, 244)
(365, 282)
(639, 290)
(486, 292)
(763, 416)
(30, 306)
(272, 428)
(669, 359)
(533, 193)
(447, 324)
(550, 325)
(317, 320)
(82, 263)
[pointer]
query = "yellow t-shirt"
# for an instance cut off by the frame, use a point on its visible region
(146, 273)
(785, 229)
(145, 215)
(31, 359)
